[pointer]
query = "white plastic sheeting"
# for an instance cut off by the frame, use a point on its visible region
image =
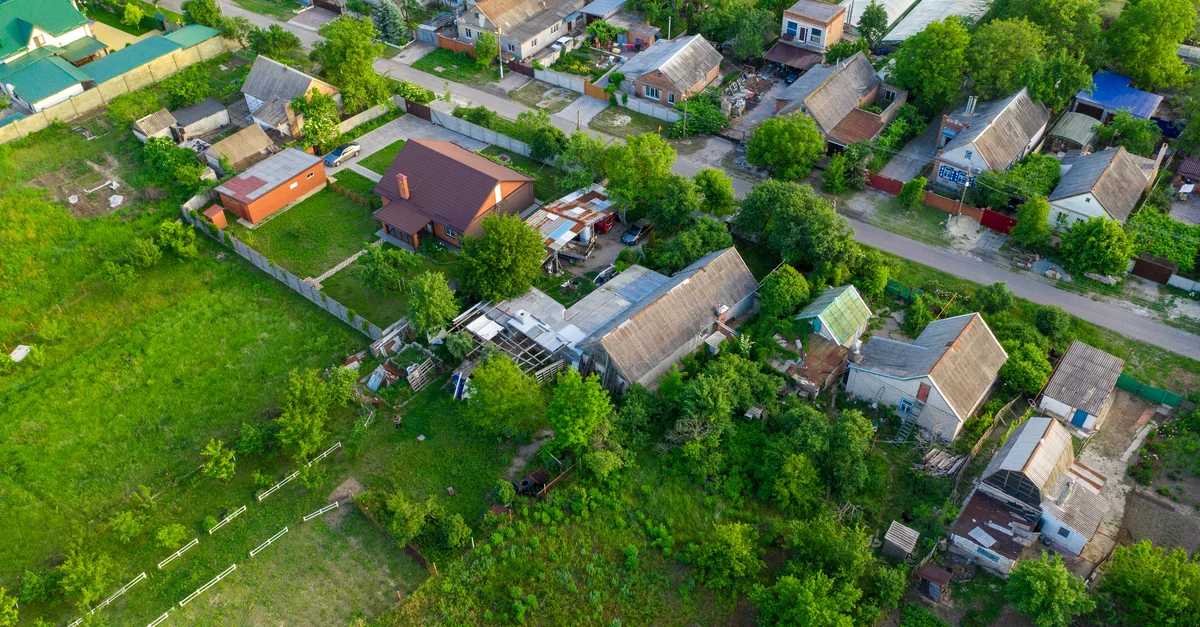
(932, 10)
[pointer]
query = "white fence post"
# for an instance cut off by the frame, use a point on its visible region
(266, 544)
(191, 544)
(313, 515)
(228, 518)
(208, 585)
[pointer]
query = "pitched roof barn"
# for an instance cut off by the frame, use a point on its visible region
(155, 122)
(1084, 377)
(1030, 460)
(1000, 129)
(960, 354)
(1113, 176)
(647, 334)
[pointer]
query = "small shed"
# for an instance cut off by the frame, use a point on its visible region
(216, 215)
(933, 582)
(157, 124)
(839, 315)
(1080, 389)
(1073, 131)
(900, 541)
(1110, 93)
(203, 117)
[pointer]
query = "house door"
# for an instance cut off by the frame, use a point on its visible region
(923, 393)
(1080, 418)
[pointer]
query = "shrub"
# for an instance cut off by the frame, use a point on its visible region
(414, 92)
(911, 193)
(126, 526)
(171, 537)
(144, 253)
(127, 108)
(701, 116)
(118, 275)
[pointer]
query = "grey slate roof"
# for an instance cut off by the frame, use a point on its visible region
(521, 19)
(684, 61)
(830, 93)
(1113, 176)
(273, 172)
(1076, 127)
(650, 331)
(1000, 129)
(602, 7)
(1040, 448)
(196, 112)
(1068, 500)
(155, 122)
(244, 144)
(270, 78)
(1084, 377)
(960, 354)
(821, 11)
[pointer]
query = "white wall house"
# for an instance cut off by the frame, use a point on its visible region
(26, 25)
(987, 136)
(939, 380)
(1081, 389)
(1105, 184)
(522, 28)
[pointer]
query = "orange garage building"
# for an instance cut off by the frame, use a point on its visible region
(272, 184)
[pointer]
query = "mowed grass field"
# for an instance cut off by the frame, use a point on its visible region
(134, 384)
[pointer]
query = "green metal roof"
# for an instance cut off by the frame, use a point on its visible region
(189, 36)
(841, 310)
(131, 57)
(44, 78)
(81, 49)
(18, 17)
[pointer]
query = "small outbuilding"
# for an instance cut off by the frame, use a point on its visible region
(201, 118)
(900, 541)
(839, 315)
(1111, 93)
(216, 215)
(273, 184)
(157, 124)
(990, 534)
(240, 150)
(1073, 131)
(1080, 391)
(933, 582)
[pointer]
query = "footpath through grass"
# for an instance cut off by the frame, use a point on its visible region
(313, 236)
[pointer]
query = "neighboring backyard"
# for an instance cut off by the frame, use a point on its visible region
(547, 187)
(282, 10)
(622, 122)
(382, 309)
(313, 236)
(455, 66)
(541, 95)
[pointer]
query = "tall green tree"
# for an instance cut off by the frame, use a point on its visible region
(1137, 135)
(584, 157)
(930, 64)
(86, 574)
(1097, 245)
(386, 268)
(431, 304)
(320, 126)
(347, 56)
(218, 460)
(729, 557)
(303, 414)
(873, 24)
(133, 15)
(751, 33)
(717, 188)
(203, 12)
(1000, 50)
(577, 409)
(679, 201)
(274, 42)
(503, 399)
(1033, 222)
(1143, 41)
(8, 609)
(1073, 24)
(487, 47)
(787, 147)
(1046, 592)
(815, 600)
(1149, 585)
(807, 233)
(638, 171)
(783, 291)
(391, 24)
(1027, 368)
(504, 262)
(1056, 77)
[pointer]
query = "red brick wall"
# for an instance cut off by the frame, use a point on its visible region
(279, 197)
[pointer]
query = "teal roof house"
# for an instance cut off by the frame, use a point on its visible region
(838, 315)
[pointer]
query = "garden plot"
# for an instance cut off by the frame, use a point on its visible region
(86, 188)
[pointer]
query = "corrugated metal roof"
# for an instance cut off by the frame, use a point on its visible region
(43, 78)
(268, 174)
(841, 310)
(1040, 448)
(982, 512)
(81, 48)
(602, 7)
(1076, 127)
(269, 79)
(564, 219)
(155, 122)
(647, 334)
(614, 297)
(1113, 176)
(1079, 505)
(1084, 377)
(1112, 91)
(191, 35)
(128, 58)
(684, 61)
(201, 110)
(521, 19)
(901, 536)
(1000, 129)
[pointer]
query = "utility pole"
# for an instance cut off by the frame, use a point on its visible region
(500, 52)
(685, 118)
(963, 197)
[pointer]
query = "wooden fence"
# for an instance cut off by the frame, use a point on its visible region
(455, 45)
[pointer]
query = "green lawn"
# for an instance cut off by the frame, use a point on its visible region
(547, 187)
(282, 10)
(455, 66)
(924, 224)
(382, 309)
(360, 185)
(313, 236)
(148, 24)
(380, 160)
(622, 122)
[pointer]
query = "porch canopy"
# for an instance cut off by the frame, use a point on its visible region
(793, 57)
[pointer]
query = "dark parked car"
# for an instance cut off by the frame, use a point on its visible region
(341, 153)
(791, 77)
(637, 231)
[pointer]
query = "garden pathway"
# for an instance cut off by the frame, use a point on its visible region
(334, 270)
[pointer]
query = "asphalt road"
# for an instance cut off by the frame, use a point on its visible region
(1107, 315)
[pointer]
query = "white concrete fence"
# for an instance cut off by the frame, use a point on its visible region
(479, 133)
(575, 83)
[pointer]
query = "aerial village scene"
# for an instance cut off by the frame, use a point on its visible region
(607, 313)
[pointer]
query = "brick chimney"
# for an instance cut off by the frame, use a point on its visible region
(402, 185)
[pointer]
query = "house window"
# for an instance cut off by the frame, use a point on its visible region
(1064, 532)
(469, 36)
(889, 95)
(554, 29)
(792, 28)
(671, 97)
(968, 155)
(512, 47)
(294, 185)
(535, 42)
(814, 35)
(905, 405)
(310, 175)
(450, 232)
(652, 92)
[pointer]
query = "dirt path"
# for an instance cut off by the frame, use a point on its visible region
(524, 453)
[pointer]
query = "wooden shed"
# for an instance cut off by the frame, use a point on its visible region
(900, 541)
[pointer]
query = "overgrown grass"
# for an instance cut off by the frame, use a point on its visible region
(356, 182)
(924, 224)
(147, 25)
(760, 260)
(455, 66)
(622, 122)
(313, 236)
(547, 188)
(382, 309)
(282, 10)
(379, 160)
(533, 92)
(367, 127)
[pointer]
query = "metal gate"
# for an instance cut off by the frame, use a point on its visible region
(329, 5)
(1154, 269)
(419, 110)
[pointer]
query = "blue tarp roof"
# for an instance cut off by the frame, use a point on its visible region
(1112, 91)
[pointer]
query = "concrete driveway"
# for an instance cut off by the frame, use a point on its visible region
(915, 156)
(404, 127)
(582, 111)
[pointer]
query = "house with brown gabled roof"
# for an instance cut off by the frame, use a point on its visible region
(440, 189)
(847, 100)
(269, 90)
(938, 381)
(1107, 184)
(987, 136)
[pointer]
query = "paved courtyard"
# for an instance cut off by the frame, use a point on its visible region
(914, 156)
(404, 127)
